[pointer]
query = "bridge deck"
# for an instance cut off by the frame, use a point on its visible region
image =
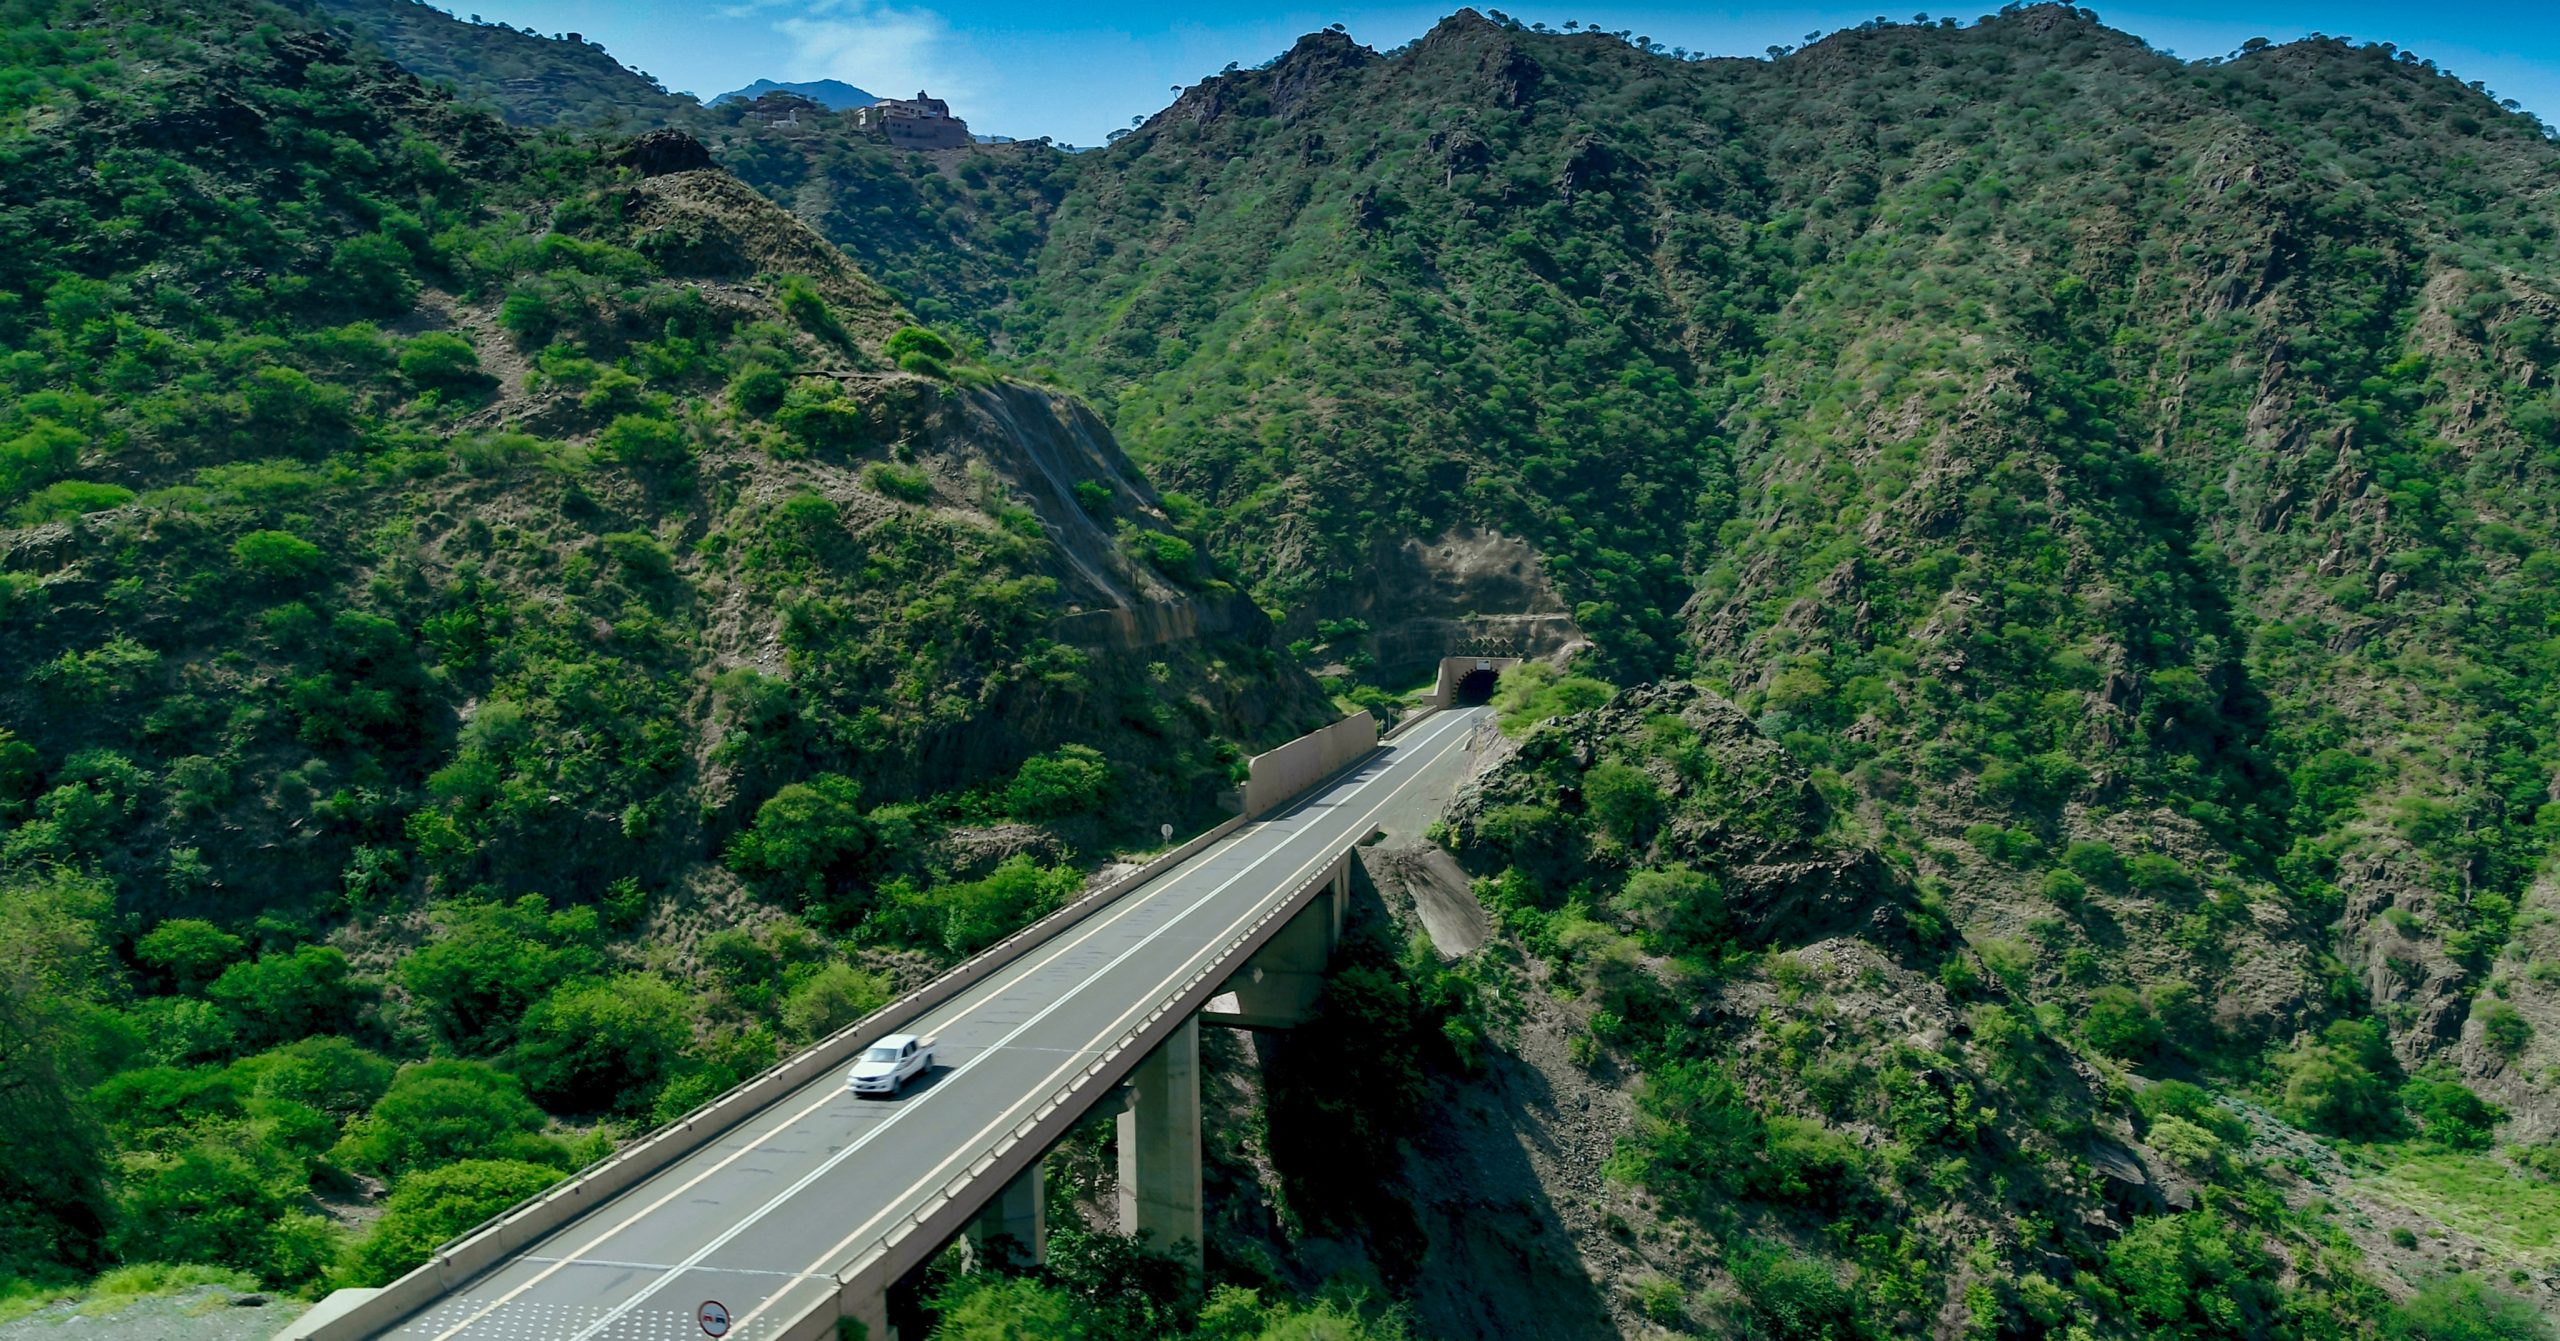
(760, 1218)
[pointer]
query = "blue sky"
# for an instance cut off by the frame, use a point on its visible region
(1036, 67)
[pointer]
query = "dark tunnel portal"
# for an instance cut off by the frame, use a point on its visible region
(1476, 688)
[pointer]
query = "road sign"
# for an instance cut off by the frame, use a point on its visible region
(1166, 830)
(714, 1317)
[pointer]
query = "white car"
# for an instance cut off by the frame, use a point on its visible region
(886, 1066)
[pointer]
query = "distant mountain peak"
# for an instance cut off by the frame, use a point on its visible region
(833, 94)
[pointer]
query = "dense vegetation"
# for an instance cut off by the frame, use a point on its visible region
(502, 636)
(497, 644)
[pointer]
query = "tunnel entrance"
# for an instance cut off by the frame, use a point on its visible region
(1476, 688)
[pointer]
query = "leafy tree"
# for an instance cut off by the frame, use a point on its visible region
(1069, 780)
(603, 1045)
(1624, 801)
(2344, 1082)
(331, 1075)
(283, 995)
(490, 962)
(807, 836)
(191, 952)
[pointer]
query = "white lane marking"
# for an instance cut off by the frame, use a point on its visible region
(1092, 926)
(969, 1147)
(748, 1221)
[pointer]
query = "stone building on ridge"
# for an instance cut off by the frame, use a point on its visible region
(920, 122)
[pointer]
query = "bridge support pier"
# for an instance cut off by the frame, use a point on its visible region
(1017, 1215)
(867, 1307)
(1160, 1147)
(1279, 985)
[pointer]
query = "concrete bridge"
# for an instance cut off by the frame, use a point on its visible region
(790, 1206)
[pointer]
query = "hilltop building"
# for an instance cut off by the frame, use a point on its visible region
(920, 122)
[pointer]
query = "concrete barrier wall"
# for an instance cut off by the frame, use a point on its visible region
(494, 1241)
(1277, 776)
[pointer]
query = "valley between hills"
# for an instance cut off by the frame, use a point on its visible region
(2025, 808)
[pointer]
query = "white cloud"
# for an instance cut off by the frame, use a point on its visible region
(891, 52)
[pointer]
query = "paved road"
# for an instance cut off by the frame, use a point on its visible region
(759, 1218)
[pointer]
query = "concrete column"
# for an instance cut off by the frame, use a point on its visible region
(1160, 1148)
(1016, 1215)
(865, 1304)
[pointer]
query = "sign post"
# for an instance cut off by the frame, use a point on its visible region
(714, 1317)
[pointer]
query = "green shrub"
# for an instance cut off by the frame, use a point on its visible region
(427, 1209)
(443, 361)
(65, 499)
(1094, 497)
(371, 273)
(964, 917)
(806, 836)
(37, 456)
(1795, 1298)
(278, 556)
(758, 389)
(916, 340)
(900, 482)
(437, 1113)
(821, 417)
(1171, 554)
(330, 1075)
(642, 555)
(1532, 691)
(2463, 1307)
(642, 440)
(1070, 780)
(829, 999)
(2503, 1028)
(2450, 1113)
(2119, 1024)
(2094, 862)
(222, 1204)
(2190, 1275)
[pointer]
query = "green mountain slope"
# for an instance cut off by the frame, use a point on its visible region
(2069, 533)
(494, 598)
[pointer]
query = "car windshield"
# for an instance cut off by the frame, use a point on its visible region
(881, 1055)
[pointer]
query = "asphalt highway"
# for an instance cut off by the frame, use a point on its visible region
(759, 1218)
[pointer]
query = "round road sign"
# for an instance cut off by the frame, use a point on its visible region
(714, 1317)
